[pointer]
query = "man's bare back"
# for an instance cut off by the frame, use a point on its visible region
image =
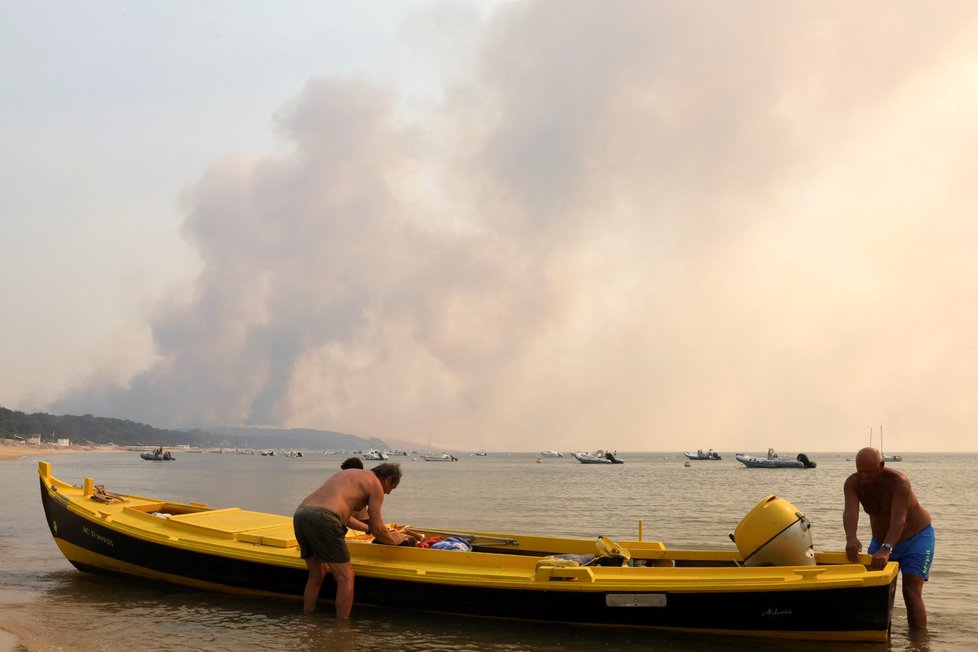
(346, 493)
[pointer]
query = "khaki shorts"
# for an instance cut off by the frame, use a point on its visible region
(320, 535)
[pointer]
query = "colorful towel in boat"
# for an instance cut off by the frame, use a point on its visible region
(452, 543)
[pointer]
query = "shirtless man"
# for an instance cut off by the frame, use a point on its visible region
(900, 525)
(321, 521)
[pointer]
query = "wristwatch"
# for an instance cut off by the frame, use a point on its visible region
(887, 547)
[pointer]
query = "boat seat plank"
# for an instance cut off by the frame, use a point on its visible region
(230, 521)
(280, 536)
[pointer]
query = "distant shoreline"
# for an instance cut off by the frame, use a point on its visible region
(15, 450)
(18, 450)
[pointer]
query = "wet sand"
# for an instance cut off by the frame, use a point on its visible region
(9, 642)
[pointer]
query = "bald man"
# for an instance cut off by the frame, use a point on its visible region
(900, 525)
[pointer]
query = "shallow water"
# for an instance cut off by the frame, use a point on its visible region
(51, 606)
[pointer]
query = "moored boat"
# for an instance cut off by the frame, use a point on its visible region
(600, 457)
(444, 457)
(773, 461)
(586, 581)
(887, 457)
(157, 457)
(702, 455)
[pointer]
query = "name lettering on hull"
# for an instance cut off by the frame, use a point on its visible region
(98, 537)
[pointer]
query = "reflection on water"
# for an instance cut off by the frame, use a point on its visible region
(44, 599)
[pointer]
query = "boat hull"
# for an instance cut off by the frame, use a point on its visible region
(599, 458)
(224, 552)
(775, 463)
(700, 455)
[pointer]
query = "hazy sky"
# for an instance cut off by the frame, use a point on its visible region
(509, 225)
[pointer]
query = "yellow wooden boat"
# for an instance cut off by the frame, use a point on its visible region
(585, 581)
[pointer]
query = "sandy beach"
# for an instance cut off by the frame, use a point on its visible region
(17, 450)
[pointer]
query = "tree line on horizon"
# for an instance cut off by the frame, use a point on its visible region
(89, 429)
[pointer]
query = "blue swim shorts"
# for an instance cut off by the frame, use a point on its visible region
(915, 554)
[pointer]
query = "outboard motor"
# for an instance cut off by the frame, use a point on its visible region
(809, 464)
(775, 533)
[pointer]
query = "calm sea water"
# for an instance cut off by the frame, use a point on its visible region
(51, 606)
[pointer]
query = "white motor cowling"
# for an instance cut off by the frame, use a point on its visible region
(775, 533)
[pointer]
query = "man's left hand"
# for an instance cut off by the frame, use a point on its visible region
(880, 557)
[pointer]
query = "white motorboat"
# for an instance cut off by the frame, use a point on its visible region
(772, 461)
(702, 455)
(601, 457)
(444, 457)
